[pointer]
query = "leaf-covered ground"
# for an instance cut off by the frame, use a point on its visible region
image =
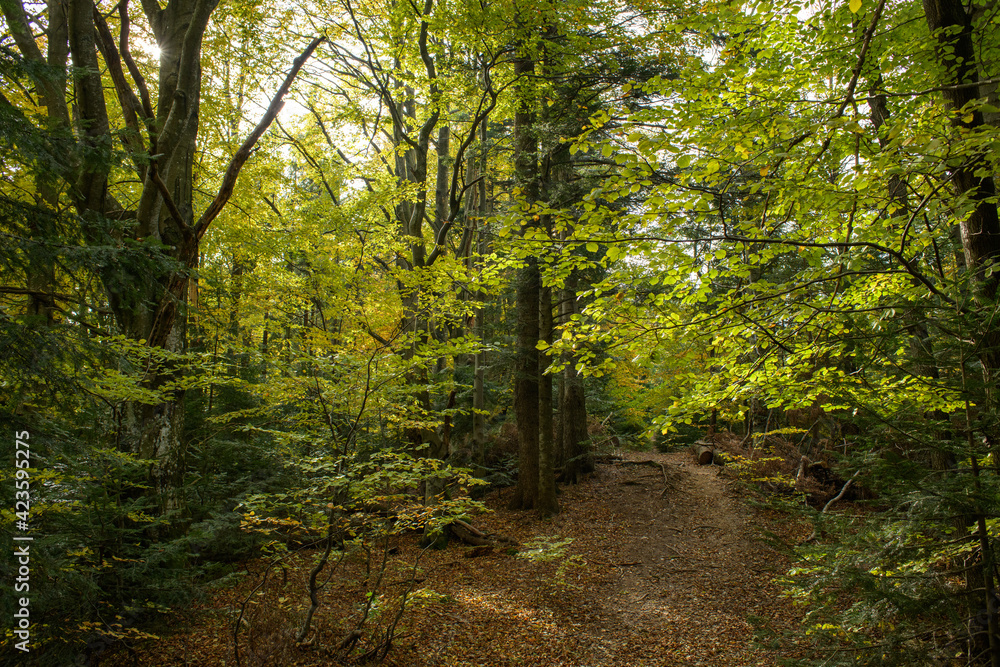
(667, 566)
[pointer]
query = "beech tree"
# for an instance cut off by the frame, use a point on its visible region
(154, 206)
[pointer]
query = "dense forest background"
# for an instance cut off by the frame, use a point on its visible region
(309, 275)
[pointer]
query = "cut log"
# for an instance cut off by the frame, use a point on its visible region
(705, 454)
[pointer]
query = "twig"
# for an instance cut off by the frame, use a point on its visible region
(629, 563)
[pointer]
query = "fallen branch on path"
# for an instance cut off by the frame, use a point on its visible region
(668, 485)
(652, 464)
(695, 569)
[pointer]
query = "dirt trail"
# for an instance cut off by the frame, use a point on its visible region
(673, 568)
(701, 569)
(664, 568)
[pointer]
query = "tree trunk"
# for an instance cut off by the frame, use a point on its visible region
(547, 503)
(526, 403)
(980, 228)
(154, 432)
(576, 459)
(980, 233)
(441, 189)
(478, 211)
(527, 295)
(148, 304)
(479, 399)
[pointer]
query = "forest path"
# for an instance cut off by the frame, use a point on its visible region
(664, 566)
(701, 570)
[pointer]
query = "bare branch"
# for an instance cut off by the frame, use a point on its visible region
(243, 154)
(131, 109)
(140, 82)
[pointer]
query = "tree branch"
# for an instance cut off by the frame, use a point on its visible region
(140, 82)
(131, 108)
(243, 154)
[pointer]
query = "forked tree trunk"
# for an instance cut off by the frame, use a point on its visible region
(148, 304)
(148, 299)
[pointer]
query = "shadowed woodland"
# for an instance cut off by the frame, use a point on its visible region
(487, 332)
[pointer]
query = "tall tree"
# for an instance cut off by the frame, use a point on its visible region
(528, 286)
(146, 298)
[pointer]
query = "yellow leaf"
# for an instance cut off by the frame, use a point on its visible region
(854, 6)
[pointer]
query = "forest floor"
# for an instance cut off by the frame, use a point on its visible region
(667, 566)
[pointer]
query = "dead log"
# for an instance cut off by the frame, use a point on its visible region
(800, 474)
(477, 538)
(469, 534)
(703, 452)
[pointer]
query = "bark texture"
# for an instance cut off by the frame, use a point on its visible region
(527, 295)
